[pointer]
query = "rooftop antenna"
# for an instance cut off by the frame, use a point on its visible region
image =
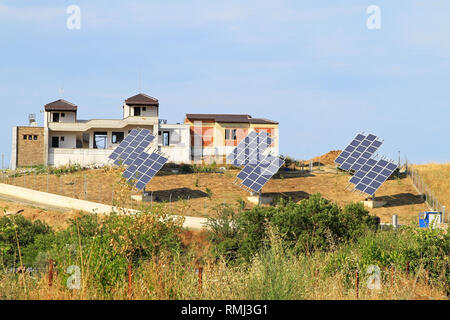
(61, 92)
(140, 81)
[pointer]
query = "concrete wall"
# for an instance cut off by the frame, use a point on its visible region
(150, 111)
(13, 159)
(69, 116)
(70, 139)
(179, 150)
(29, 152)
(59, 156)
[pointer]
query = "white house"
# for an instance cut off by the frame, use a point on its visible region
(69, 140)
(65, 139)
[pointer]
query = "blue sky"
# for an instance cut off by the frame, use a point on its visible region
(313, 66)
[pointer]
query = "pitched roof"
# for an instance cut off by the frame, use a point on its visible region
(60, 105)
(142, 99)
(230, 118)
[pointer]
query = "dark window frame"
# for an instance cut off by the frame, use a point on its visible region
(231, 134)
(137, 114)
(55, 142)
(164, 140)
(55, 117)
(114, 134)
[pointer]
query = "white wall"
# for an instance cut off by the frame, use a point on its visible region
(150, 111)
(179, 150)
(59, 157)
(70, 139)
(69, 116)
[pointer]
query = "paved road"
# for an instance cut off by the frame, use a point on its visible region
(55, 202)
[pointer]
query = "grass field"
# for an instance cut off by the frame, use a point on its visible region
(197, 194)
(437, 177)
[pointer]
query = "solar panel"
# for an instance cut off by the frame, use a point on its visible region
(372, 180)
(135, 147)
(144, 168)
(358, 152)
(256, 176)
(250, 149)
(124, 144)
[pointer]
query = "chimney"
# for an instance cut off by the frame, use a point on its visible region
(32, 120)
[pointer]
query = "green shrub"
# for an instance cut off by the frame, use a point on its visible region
(17, 232)
(313, 224)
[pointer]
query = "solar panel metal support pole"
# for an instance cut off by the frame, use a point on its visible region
(395, 221)
(151, 200)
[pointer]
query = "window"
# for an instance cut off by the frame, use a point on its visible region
(144, 108)
(30, 137)
(62, 138)
(137, 111)
(55, 142)
(35, 137)
(56, 117)
(63, 114)
(166, 138)
(230, 134)
(159, 133)
(117, 137)
(100, 140)
(24, 137)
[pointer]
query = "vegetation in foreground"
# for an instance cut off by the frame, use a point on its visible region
(310, 250)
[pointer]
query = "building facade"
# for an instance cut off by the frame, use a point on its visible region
(214, 136)
(64, 139)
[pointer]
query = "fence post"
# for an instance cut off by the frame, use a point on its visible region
(85, 188)
(357, 284)
(50, 272)
(200, 279)
(392, 276)
(395, 221)
(130, 280)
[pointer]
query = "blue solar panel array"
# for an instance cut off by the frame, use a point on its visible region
(256, 176)
(358, 152)
(142, 166)
(369, 174)
(132, 148)
(372, 180)
(250, 149)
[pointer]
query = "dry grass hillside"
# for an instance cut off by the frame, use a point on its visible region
(197, 194)
(437, 177)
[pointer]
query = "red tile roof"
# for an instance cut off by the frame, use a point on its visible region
(230, 118)
(142, 99)
(60, 105)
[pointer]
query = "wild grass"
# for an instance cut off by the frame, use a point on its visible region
(276, 273)
(437, 177)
